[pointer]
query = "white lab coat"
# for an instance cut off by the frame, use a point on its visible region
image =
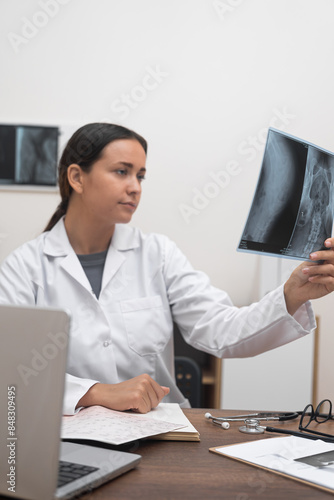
(147, 284)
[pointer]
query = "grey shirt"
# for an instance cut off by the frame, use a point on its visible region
(93, 265)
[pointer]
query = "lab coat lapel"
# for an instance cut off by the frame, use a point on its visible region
(73, 267)
(114, 261)
(57, 245)
(124, 239)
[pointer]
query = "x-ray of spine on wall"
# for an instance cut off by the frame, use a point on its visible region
(28, 155)
(292, 211)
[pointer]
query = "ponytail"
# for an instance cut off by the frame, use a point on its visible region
(60, 211)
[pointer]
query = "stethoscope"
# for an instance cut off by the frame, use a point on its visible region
(252, 420)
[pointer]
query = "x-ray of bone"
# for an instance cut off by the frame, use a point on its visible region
(292, 211)
(316, 205)
(28, 155)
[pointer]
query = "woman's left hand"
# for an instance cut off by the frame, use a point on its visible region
(311, 280)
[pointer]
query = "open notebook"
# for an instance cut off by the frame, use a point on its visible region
(166, 422)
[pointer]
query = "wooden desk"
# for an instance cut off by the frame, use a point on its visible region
(172, 470)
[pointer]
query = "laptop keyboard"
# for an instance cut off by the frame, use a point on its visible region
(69, 471)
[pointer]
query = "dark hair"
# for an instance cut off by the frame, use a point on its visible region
(84, 148)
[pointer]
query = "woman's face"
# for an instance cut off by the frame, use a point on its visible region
(111, 190)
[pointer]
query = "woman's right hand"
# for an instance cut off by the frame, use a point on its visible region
(139, 394)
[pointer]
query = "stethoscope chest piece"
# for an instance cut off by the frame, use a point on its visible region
(251, 427)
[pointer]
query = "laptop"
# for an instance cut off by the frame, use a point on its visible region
(33, 353)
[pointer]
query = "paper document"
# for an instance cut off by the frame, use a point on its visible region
(171, 412)
(108, 426)
(282, 455)
(114, 427)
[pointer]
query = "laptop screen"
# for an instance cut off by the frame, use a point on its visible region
(292, 210)
(33, 358)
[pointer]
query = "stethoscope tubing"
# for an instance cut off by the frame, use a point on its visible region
(253, 426)
(259, 416)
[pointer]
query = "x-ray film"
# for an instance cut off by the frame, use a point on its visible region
(28, 155)
(292, 210)
(319, 460)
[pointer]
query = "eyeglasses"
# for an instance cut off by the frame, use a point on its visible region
(321, 414)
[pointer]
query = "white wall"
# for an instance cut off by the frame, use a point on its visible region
(205, 79)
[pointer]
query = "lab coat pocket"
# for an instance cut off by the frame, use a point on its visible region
(146, 324)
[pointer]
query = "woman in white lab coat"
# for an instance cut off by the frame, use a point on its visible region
(125, 288)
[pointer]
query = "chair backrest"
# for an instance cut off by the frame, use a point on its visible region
(189, 379)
